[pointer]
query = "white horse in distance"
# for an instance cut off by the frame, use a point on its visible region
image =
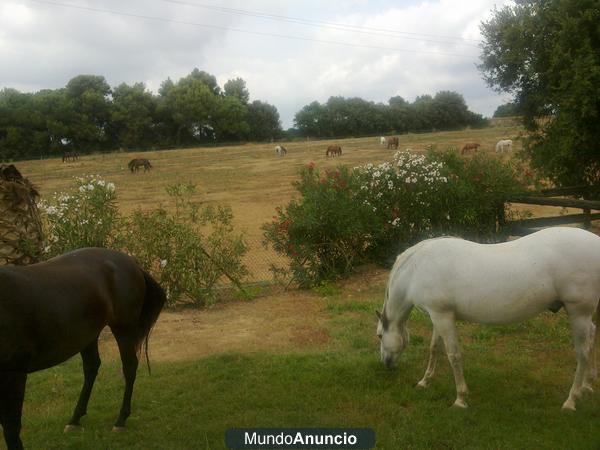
(504, 146)
(452, 279)
(382, 141)
(280, 150)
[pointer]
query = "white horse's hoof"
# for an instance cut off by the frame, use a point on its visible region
(422, 385)
(116, 429)
(69, 428)
(568, 406)
(460, 404)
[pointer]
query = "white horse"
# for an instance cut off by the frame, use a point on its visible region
(453, 279)
(280, 150)
(504, 146)
(382, 141)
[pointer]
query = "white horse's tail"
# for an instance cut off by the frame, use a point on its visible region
(597, 323)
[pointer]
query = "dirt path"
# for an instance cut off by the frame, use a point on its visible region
(293, 320)
(290, 320)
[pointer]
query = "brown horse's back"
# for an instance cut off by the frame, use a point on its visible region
(65, 302)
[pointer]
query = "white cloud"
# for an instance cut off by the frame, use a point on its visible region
(43, 46)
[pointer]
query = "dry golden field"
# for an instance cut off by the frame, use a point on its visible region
(250, 178)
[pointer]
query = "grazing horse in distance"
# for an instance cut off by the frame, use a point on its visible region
(393, 142)
(452, 279)
(135, 164)
(70, 156)
(470, 146)
(334, 150)
(280, 150)
(382, 141)
(53, 310)
(504, 146)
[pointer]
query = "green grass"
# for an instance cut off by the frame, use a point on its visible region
(516, 393)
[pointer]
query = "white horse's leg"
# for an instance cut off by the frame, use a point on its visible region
(581, 325)
(434, 350)
(592, 370)
(446, 327)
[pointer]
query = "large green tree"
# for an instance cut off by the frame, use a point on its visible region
(89, 104)
(263, 120)
(546, 53)
(231, 119)
(190, 106)
(237, 88)
(132, 115)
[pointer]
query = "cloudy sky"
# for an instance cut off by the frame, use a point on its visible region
(290, 53)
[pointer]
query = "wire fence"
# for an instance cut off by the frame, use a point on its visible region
(259, 260)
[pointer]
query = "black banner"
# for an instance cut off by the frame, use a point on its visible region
(299, 438)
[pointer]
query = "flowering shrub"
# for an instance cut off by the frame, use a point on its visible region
(478, 188)
(322, 233)
(374, 212)
(84, 217)
(189, 250)
(404, 201)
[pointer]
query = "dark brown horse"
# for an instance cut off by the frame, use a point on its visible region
(334, 150)
(135, 164)
(393, 142)
(52, 310)
(70, 156)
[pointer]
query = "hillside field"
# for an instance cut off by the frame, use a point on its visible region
(249, 178)
(292, 358)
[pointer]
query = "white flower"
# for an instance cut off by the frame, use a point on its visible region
(163, 263)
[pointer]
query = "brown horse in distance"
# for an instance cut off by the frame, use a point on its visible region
(135, 164)
(334, 150)
(70, 156)
(393, 142)
(470, 146)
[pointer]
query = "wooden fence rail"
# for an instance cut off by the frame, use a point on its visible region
(547, 198)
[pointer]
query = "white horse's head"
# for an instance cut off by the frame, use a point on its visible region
(393, 339)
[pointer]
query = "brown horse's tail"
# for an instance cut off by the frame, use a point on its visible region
(154, 301)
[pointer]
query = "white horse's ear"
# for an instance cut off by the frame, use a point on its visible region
(378, 314)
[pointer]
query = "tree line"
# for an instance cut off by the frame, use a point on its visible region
(343, 117)
(87, 115)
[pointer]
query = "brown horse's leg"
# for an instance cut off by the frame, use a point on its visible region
(127, 342)
(12, 393)
(91, 364)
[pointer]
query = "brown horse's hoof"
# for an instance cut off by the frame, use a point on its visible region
(117, 429)
(69, 428)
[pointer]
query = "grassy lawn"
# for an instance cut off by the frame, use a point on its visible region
(518, 377)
